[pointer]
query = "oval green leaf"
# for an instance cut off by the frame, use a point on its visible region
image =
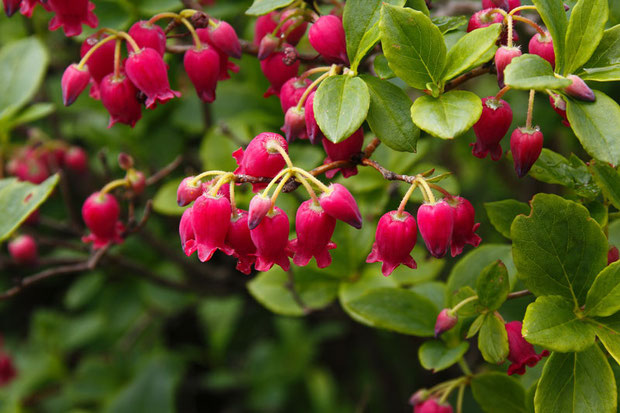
(604, 296)
(340, 106)
(585, 30)
(496, 392)
(554, 16)
(473, 49)
(493, 286)
(435, 355)
(604, 65)
(608, 179)
(531, 71)
(502, 213)
(260, 7)
(448, 115)
(493, 339)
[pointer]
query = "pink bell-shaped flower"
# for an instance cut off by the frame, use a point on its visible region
(492, 126)
(340, 204)
(271, 240)
(259, 207)
(74, 81)
(203, 68)
(240, 240)
(100, 63)
(464, 226)
(484, 18)
(446, 320)
(291, 92)
(223, 36)
(267, 46)
(343, 151)
(526, 146)
(70, 14)
(294, 124)
(260, 159)
(521, 353)
(187, 192)
(119, 97)
(314, 229)
(395, 238)
(264, 25)
(312, 128)
(27, 6)
(543, 47)
(327, 37)
(436, 223)
(225, 64)
(503, 57)
(432, 406)
(149, 35)
(210, 220)
(559, 106)
(100, 213)
(186, 233)
(23, 250)
(277, 72)
(579, 89)
(147, 70)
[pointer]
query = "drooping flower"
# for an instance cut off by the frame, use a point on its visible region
(521, 353)
(149, 35)
(271, 240)
(119, 97)
(147, 71)
(186, 233)
(314, 229)
(395, 238)
(211, 220)
(260, 159)
(436, 223)
(464, 226)
(71, 14)
(100, 213)
(240, 240)
(340, 204)
(343, 151)
(491, 128)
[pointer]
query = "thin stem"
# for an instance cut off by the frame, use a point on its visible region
(502, 92)
(308, 187)
(274, 180)
(117, 59)
(278, 189)
(302, 99)
(198, 177)
(518, 294)
(311, 177)
(129, 40)
(510, 24)
(518, 9)
(281, 22)
(280, 149)
(429, 194)
(191, 29)
(440, 189)
(530, 109)
(531, 23)
(463, 365)
(459, 399)
(113, 184)
(405, 199)
(223, 179)
(159, 16)
(94, 49)
(313, 71)
(466, 301)
(233, 204)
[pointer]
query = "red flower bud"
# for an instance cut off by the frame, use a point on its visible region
(559, 106)
(23, 250)
(613, 254)
(579, 90)
(267, 46)
(240, 240)
(100, 213)
(76, 159)
(225, 64)
(484, 18)
(526, 145)
(70, 14)
(291, 92)
(203, 68)
(186, 233)
(436, 223)
(74, 81)
(298, 32)
(210, 220)
(343, 151)
(32, 168)
(223, 36)
(493, 124)
(271, 240)
(294, 124)
(503, 57)
(543, 47)
(446, 320)
(119, 97)
(7, 370)
(521, 353)
(259, 206)
(277, 72)
(432, 406)
(11, 6)
(312, 128)
(464, 227)
(395, 238)
(147, 70)
(327, 37)
(149, 35)
(260, 158)
(314, 229)
(340, 204)
(506, 5)
(264, 25)
(188, 192)
(100, 63)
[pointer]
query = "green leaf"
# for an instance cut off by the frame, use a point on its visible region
(604, 65)
(260, 7)
(469, 267)
(340, 106)
(418, 5)
(398, 310)
(469, 309)
(585, 30)
(496, 392)
(382, 69)
(435, 355)
(493, 286)
(32, 113)
(551, 322)
(360, 19)
(19, 199)
(473, 49)
(608, 331)
(531, 71)
(446, 24)
(165, 200)
(413, 46)
(493, 339)
(219, 317)
(596, 124)
(558, 249)
(448, 115)
(553, 168)
(475, 326)
(604, 296)
(315, 290)
(388, 115)
(502, 213)
(215, 150)
(554, 16)
(608, 179)
(351, 290)
(576, 383)
(22, 66)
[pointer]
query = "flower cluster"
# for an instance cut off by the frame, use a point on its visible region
(36, 162)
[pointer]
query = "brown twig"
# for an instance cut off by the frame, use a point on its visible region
(518, 294)
(165, 171)
(465, 77)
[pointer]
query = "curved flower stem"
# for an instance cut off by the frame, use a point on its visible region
(308, 187)
(502, 92)
(198, 177)
(274, 180)
(530, 109)
(311, 177)
(313, 71)
(440, 189)
(459, 399)
(233, 204)
(405, 199)
(517, 9)
(510, 28)
(427, 192)
(166, 15)
(463, 365)
(281, 22)
(229, 176)
(129, 40)
(463, 303)
(302, 99)
(113, 184)
(191, 29)
(531, 23)
(117, 59)
(278, 189)
(280, 149)
(94, 49)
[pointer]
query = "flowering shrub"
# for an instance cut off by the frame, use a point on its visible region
(372, 98)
